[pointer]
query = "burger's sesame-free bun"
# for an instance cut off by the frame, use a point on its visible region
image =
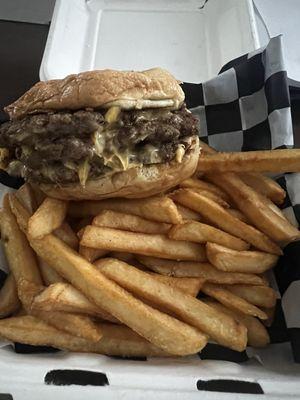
(136, 182)
(101, 89)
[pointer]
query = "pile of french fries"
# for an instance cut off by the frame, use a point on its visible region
(159, 276)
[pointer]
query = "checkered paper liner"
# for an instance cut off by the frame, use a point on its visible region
(246, 107)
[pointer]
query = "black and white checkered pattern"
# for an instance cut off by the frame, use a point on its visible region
(249, 100)
(247, 107)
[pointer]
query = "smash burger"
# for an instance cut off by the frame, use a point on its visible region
(101, 134)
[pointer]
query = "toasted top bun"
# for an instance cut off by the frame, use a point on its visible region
(136, 182)
(101, 89)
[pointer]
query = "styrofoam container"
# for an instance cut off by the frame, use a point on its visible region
(191, 38)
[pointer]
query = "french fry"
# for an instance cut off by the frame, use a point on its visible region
(201, 233)
(189, 286)
(265, 200)
(253, 262)
(91, 254)
(232, 301)
(221, 218)
(261, 296)
(128, 222)
(283, 160)
(48, 217)
(9, 301)
(141, 243)
(156, 208)
(49, 275)
(123, 256)
(116, 340)
(66, 234)
(256, 332)
(257, 211)
(187, 213)
(237, 214)
(24, 268)
(264, 185)
(64, 297)
(19, 255)
(74, 324)
(194, 183)
(192, 311)
(162, 330)
(25, 194)
(200, 270)
(212, 196)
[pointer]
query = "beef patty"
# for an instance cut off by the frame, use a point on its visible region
(67, 147)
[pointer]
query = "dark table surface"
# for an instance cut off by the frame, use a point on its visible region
(21, 48)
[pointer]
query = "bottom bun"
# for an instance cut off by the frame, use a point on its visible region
(136, 182)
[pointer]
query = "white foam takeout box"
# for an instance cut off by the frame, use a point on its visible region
(193, 42)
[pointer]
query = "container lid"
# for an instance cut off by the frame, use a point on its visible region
(192, 39)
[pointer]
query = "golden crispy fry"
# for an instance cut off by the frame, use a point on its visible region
(74, 324)
(78, 325)
(9, 301)
(256, 332)
(66, 234)
(27, 275)
(64, 297)
(116, 340)
(192, 311)
(123, 256)
(261, 296)
(168, 333)
(19, 255)
(253, 262)
(286, 160)
(25, 194)
(49, 274)
(268, 203)
(264, 185)
(201, 270)
(91, 254)
(156, 208)
(257, 211)
(189, 286)
(201, 233)
(141, 243)
(237, 214)
(232, 301)
(19, 210)
(204, 186)
(48, 217)
(128, 222)
(221, 218)
(210, 195)
(187, 213)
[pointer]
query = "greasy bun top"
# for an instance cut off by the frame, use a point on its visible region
(101, 89)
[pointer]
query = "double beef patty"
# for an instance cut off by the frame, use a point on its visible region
(67, 147)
